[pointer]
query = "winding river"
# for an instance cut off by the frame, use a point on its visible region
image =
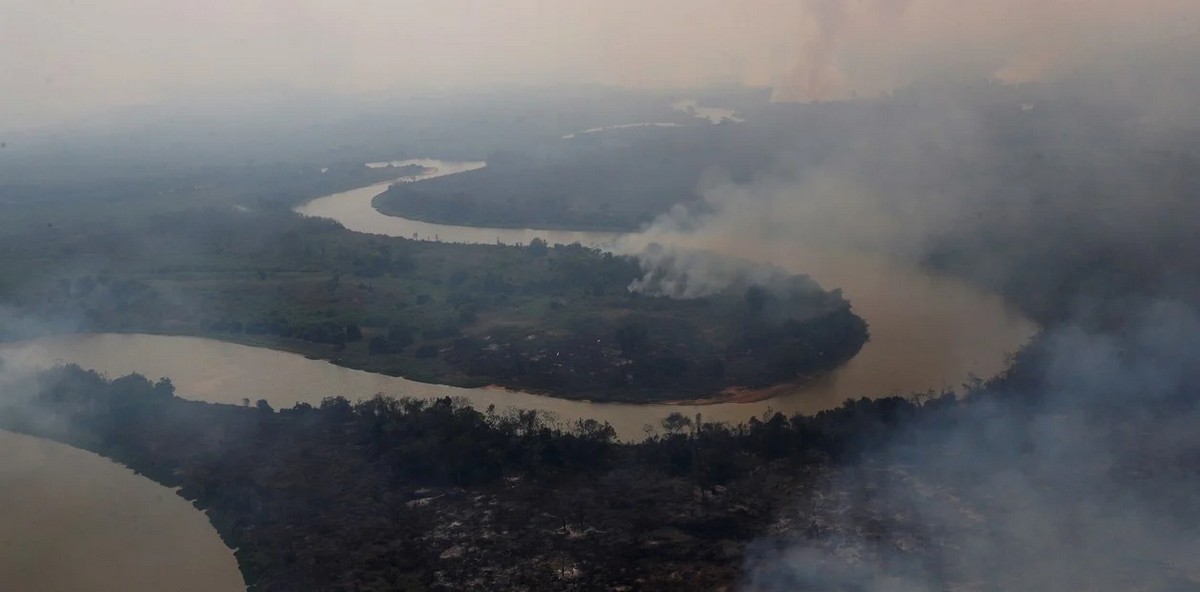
(927, 332)
(97, 526)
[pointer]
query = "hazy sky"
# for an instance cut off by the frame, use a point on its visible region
(64, 57)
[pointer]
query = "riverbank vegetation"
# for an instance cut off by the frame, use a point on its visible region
(605, 181)
(557, 319)
(1046, 195)
(403, 494)
(215, 251)
(385, 494)
(410, 494)
(1076, 469)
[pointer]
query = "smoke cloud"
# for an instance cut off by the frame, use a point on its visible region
(1070, 152)
(1083, 484)
(1057, 167)
(68, 59)
(873, 47)
(995, 183)
(682, 273)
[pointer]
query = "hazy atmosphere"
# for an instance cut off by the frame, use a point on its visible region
(762, 295)
(65, 59)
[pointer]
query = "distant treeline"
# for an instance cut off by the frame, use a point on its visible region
(606, 181)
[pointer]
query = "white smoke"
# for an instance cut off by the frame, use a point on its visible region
(1087, 488)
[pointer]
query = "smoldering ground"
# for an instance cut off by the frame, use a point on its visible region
(684, 273)
(1077, 475)
(1075, 198)
(1044, 192)
(1070, 196)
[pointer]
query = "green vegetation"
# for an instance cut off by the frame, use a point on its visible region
(221, 257)
(553, 319)
(405, 494)
(609, 181)
(409, 494)
(1089, 437)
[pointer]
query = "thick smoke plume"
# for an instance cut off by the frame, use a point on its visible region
(1058, 169)
(683, 273)
(985, 180)
(1085, 481)
(873, 47)
(73, 58)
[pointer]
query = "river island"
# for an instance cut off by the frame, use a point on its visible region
(563, 320)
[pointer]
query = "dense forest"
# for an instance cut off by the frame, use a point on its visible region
(602, 181)
(1058, 200)
(1075, 469)
(558, 319)
(388, 494)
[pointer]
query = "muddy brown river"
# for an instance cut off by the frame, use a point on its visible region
(927, 333)
(72, 521)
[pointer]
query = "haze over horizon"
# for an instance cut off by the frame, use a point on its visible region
(68, 60)
(914, 304)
